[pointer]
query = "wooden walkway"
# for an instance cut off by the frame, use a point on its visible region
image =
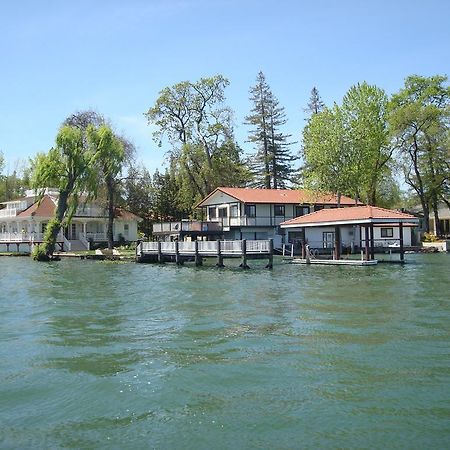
(181, 251)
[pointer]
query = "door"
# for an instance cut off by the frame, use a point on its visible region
(328, 239)
(223, 216)
(73, 231)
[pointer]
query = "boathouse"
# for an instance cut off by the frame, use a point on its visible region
(370, 227)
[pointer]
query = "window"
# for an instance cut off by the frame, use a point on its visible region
(250, 210)
(234, 210)
(278, 210)
(126, 229)
(387, 232)
(301, 210)
(212, 213)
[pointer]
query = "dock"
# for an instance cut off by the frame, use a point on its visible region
(196, 251)
(335, 262)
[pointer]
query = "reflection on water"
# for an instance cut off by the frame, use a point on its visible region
(143, 356)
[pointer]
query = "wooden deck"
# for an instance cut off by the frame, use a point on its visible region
(335, 262)
(181, 251)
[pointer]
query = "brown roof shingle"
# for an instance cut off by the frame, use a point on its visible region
(358, 213)
(280, 196)
(43, 208)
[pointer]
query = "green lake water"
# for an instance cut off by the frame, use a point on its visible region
(135, 356)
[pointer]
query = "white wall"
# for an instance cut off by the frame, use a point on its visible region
(384, 242)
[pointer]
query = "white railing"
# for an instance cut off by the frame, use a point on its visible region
(66, 244)
(231, 246)
(8, 212)
(90, 211)
(186, 247)
(258, 246)
(84, 241)
(207, 246)
(168, 247)
(26, 237)
(97, 237)
(149, 246)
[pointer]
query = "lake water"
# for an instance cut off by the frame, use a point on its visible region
(128, 356)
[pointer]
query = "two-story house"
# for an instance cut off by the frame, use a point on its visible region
(247, 213)
(23, 222)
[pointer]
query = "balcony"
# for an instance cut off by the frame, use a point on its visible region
(9, 212)
(188, 226)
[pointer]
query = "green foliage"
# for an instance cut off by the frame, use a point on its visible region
(345, 148)
(203, 154)
(271, 164)
(39, 253)
(429, 237)
(419, 125)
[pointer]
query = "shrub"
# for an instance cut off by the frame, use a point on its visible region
(39, 253)
(429, 237)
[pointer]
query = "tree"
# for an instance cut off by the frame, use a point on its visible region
(419, 122)
(70, 167)
(327, 161)
(138, 196)
(198, 127)
(315, 104)
(109, 156)
(364, 109)
(271, 163)
(346, 148)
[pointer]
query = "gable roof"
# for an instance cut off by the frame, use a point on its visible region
(357, 214)
(280, 196)
(43, 208)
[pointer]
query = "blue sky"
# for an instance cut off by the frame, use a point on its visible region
(114, 56)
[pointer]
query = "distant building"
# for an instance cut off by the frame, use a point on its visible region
(23, 222)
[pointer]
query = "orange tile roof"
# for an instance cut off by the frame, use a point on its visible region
(43, 208)
(280, 196)
(363, 214)
(126, 215)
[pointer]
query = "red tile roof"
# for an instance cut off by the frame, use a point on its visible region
(362, 214)
(280, 196)
(43, 208)
(126, 215)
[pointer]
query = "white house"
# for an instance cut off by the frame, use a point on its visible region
(247, 213)
(23, 222)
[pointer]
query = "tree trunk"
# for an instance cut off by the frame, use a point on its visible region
(437, 224)
(51, 233)
(110, 195)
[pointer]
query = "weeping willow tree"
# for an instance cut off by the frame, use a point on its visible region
(70, 167)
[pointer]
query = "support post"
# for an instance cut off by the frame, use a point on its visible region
(160, 256)
(270, 263)
(244, 255)
(337, 242)
(402, 251)
(219, 255)
(372, 243)
(366, 243)
(177, 253)
(303, 250)
(198, 258)
(18, 245)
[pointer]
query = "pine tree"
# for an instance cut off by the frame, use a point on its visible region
(315, 104)
(271, 163)
(281, 158)
(260, 95)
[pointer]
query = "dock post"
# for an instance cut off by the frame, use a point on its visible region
(270, 263)
(177, 253)
(219, 255)
(244, 264)
(303, 250)
(17, 245)
(366, 242)
(402, 250)
(337, 242)
(7, 247)
(160, 257)
(198, 258)
(372, 242)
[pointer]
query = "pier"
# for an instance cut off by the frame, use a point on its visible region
(197, 251)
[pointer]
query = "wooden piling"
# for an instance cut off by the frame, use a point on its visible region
(270, 263)
(402, 250)
(219, 255)
(160, 257)
(244, 264)
(198, 259)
